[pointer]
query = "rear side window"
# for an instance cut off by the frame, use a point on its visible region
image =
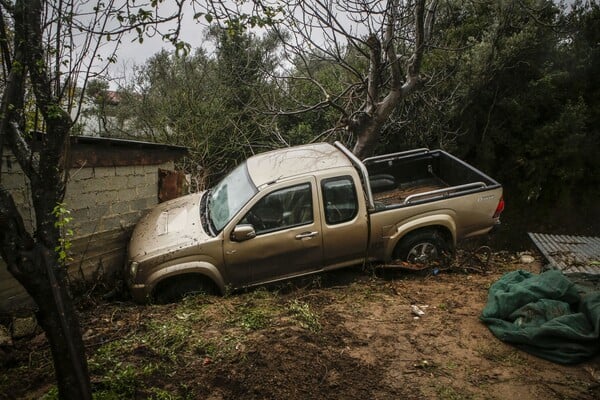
(339, 199)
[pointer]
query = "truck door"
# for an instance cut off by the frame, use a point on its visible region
(345, 222)
(288, 237)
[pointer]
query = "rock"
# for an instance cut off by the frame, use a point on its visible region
(417, 310)
(527, 259)
(5, 338)
(24, 327)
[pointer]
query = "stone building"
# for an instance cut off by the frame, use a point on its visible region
(112, 183)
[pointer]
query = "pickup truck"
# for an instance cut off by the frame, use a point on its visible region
(305, 209)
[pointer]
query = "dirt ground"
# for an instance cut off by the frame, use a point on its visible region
(348, 334)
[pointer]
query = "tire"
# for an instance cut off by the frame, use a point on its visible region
(175, 289)
(426, 247)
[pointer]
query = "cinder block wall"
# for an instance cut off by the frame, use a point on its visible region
(14, 180)
(105, 203)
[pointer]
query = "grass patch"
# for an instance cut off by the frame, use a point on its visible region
(303, 314)
(166, 338)
(217, 349)
(207, 348)
(118, 378)
(109, 355)
(51, 394)
(253, 319)
(120, 382)
(161, 394)
(256, 311)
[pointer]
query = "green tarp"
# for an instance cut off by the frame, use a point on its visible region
(546, 315)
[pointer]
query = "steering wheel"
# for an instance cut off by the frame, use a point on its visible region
(256, 221)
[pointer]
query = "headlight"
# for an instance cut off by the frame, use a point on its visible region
(133, 268)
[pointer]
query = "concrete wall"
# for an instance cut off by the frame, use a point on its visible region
(13, 180)
(105, 204)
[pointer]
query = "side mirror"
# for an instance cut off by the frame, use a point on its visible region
(243, 232)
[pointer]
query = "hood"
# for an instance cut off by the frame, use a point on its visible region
(168, 227)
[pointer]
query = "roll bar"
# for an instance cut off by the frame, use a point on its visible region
(363, 170)
(387, 157)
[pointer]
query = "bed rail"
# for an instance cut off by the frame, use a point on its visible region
(445, 192)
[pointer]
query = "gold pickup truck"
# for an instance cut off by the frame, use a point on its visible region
(305, 209)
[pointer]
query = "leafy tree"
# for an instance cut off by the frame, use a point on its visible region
(42, 61)
(31, 258)
(389, 38)
(220, 116)
(98, 98)
(527, 99)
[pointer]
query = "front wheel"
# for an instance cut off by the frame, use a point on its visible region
(174, 289)
(422, 248)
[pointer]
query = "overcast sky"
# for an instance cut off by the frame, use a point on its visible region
(131, 52)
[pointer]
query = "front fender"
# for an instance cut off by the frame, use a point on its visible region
(193, 267)
(445, 221)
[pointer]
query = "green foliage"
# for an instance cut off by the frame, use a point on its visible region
(513, 90)
(120, 379)
(160, 394)
(254, 318)
(255, 313)
(121, 382)
(54, 111)
(212, 105)
(306, 317)
(511, 86)
(51, 394)
(63, 220)
(167, 340)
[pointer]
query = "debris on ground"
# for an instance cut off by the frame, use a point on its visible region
(348, 335)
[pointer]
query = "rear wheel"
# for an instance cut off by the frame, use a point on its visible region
(177, 288)
(426, 247)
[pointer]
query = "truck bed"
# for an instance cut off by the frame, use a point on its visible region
(402, 191)
(421, 175)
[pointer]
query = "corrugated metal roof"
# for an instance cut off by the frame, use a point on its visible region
(570, 254)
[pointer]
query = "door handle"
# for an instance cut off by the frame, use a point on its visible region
(305, 235)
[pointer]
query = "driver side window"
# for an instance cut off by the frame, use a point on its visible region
(281, 209)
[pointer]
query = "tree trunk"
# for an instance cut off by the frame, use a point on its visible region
(58, 318)
(32, 259)
(366, 124)
(366, 137)
(36, 267)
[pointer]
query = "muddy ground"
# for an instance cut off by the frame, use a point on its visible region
(349, 334)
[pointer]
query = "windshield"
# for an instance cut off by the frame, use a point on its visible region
(229, 196)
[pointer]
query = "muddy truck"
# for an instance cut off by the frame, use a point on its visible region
(306, 209)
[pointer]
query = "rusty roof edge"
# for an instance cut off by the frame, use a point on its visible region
(126, 143)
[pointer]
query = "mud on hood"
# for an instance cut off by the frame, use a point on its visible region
(168, 227)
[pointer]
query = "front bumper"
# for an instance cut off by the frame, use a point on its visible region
(139, 293)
